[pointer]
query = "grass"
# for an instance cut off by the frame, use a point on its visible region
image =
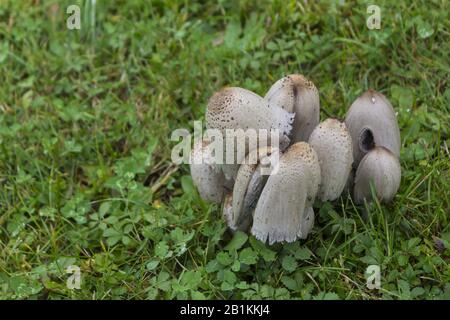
(85, 171)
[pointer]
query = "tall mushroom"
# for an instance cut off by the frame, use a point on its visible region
(381, 169)
(371, 122)
(284, 209)
(333, 145)
(296, 94)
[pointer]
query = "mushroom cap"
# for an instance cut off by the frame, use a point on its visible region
(381, 168)
(283, 207)
(206, 175)
(333, 145)
(297, 94)
(237, 108)
(371, 122)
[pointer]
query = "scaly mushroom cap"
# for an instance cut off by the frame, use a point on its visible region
(381, 168)
(371, 122)
(333, 145)
(237, 108)
(296, 94)
(206, 175)
(227, 212)
(284, 209)
(249, 183)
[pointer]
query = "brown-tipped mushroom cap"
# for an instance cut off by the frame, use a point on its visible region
(296, 94)
(283, 211)
(371, 122)
(333, 145)
(206, 175)
(380, 168)
(237, 108)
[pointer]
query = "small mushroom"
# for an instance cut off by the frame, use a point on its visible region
(296, 94)
(333, 145)
(284, 210)
(206, 175)
(380, 168)
(371, 122)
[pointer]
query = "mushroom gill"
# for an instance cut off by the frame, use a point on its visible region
(284, 209)
(333, 145)
(296, 94)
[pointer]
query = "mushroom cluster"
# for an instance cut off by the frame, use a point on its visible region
(313, 160)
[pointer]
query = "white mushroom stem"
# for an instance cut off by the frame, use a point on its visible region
(295, 93)
(371, 121)
(206, 175)
(284, 209)
(381, 169)
(333, 145)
